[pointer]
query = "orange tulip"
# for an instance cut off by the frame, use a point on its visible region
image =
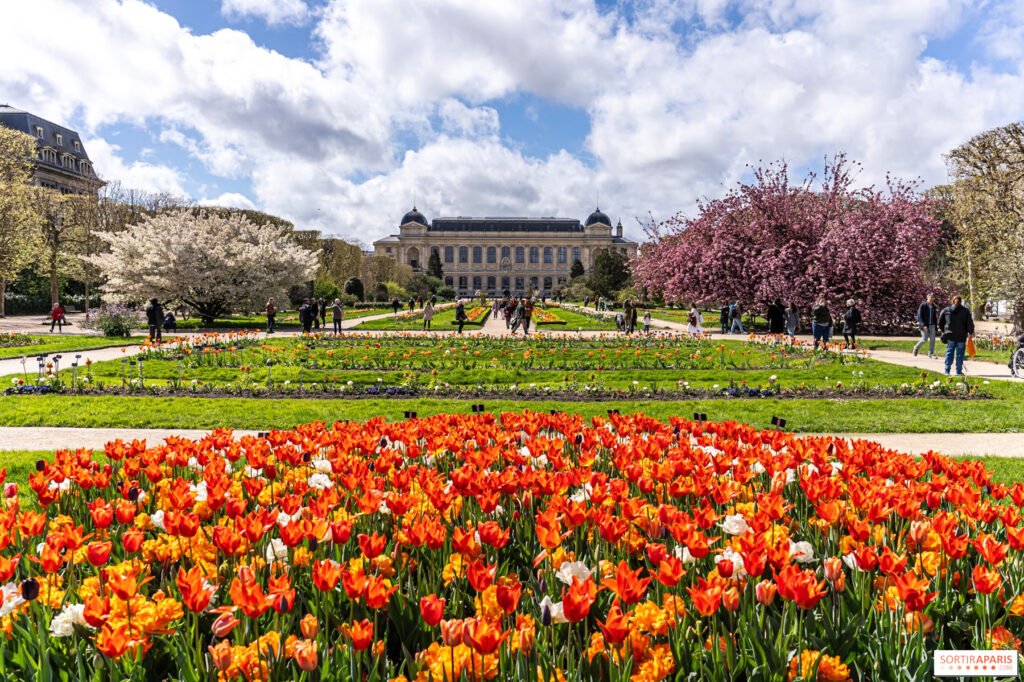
(372, 545)
(326, 574)
(990, 549)
(577, 600)
(98, 553)
(247, 594)
(113, 642)
(222, 655)
(432, 609)
(192, 586)
(616, 625)
(361, 634)
(309, 626)
(627, 584)
(484, 637)
(481, 575)
(306, 654)
(670, 571)
(509, 592)
(706, 597)
(377, 592)
(224, 624)
(765, 592)
(986, 580)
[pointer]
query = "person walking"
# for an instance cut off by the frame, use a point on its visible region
(314, 314)
(527, 315)
(851, 323)
(337, 314)
(633, 318)
(155, 318)
(693, 322)
(627, 315)
(792, 320)
(428, 315)
(723, 318)
(508, 311)
(776, 316)
(412, 304)
(517, 315)
(306, 316)
(821, 324)
(647, 322)
(460, 314)
(322, 307)
(928, 323)
(57, 318)
(395, 305)
(736, 316)
(956, 325)
(271, 311)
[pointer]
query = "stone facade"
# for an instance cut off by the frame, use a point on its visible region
(491, 255)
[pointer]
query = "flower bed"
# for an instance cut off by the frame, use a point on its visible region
(523, 546)
(16, 340)
(476, 316)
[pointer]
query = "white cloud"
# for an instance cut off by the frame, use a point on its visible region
(229, 200)
(271, 11)
(149, 177)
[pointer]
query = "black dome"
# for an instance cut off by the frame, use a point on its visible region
(598, 217)
(414, 216)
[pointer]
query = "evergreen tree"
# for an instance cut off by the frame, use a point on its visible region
(434, 268)
(354, 287)
(610, 273)
(577, 269)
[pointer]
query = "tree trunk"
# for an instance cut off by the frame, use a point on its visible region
(54, 283)
(85, 304)
(1018, 316)
(3, 298)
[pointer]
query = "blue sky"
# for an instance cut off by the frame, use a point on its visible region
(336, 113)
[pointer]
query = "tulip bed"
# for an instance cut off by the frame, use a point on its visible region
(519, 546)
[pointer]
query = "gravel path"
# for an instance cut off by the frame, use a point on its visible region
(53, 438)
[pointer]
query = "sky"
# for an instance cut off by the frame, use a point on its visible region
(341, 114)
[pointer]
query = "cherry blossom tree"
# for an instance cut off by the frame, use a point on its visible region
(771, 238)
(213, 262)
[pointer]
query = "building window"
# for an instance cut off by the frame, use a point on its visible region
(520, 254)
(463, 283)
(387, 249)
(463, 254)
(519, 284)
(533, 283)
(39, 132)
(84, 167)
(60, 140)
(561, 281)
(576, 254)
(492, 255)
(505, 283)
(563, 255)
(78, 146)
(478, 254)
(449, 254)
(491, 284)
(448, 281)
(478, 284)
(506, 253)
(534, 255)
(547, 284)
(437, 250)
(548, 255)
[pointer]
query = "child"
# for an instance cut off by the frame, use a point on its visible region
(647, 322)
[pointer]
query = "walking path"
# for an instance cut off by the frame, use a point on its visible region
(54, 438)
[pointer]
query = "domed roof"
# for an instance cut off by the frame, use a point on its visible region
(414, 216)
(598, 217)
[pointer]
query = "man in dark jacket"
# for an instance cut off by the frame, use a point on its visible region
(306, 316)
(956, 324)
(927, 322)
(776, 316)
(155, 318)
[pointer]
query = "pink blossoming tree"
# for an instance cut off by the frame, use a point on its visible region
(817, 240)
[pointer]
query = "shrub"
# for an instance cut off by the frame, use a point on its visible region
(114, 320)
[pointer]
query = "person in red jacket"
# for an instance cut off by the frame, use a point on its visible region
(57, 318)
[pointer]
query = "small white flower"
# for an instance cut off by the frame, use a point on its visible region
(736, 559)
(802, 552)
(12, 599)
(572, 569)
(851, 561)
(157, 519)
(555, 609)
(320, 481)
(682, 553)
(277, 551)
(323, 465)
(63, 624)
(734, 524)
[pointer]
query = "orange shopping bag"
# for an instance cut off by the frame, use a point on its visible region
(971, 350)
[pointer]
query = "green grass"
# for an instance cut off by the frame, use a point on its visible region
(444, 321)
(709, 319)
(910, 415)
(574, 321)
(56, 343)
(285, 320)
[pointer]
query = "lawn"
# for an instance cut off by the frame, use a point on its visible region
(444, 320)
(571, 321)
(56, 343)
(1000, 356)
(285, 319)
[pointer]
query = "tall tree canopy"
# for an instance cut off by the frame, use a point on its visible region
(987, 210)
(213, 262)
(19, 217)
(771, 239)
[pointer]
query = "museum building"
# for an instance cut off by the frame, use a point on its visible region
(491, 255)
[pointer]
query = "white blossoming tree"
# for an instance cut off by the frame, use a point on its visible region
(214, 263)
